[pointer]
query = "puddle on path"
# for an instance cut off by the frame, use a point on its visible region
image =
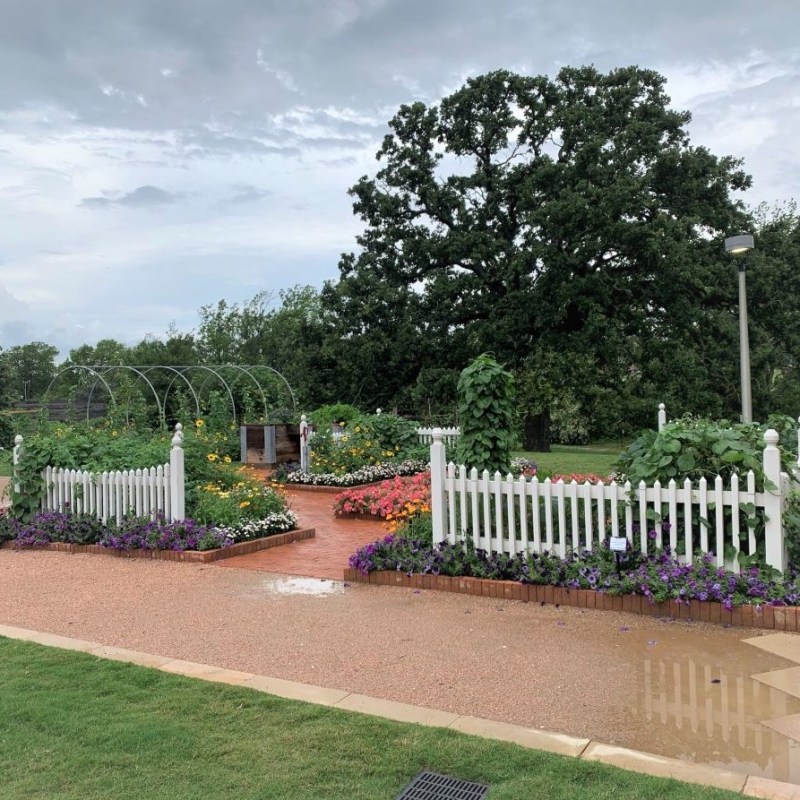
(308, 586)
(697, 700)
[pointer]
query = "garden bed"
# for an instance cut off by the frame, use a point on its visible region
(192, 556)
(768, 617)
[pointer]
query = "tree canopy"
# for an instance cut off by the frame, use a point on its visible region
(571, 214)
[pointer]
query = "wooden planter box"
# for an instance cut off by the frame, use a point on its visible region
(269, 445)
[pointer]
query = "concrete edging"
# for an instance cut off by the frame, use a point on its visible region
(187, 556)
(777, 618)
(561, 744)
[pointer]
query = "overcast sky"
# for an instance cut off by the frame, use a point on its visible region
(160, 155)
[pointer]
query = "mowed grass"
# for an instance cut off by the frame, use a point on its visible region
(75, 726)
(567, 459)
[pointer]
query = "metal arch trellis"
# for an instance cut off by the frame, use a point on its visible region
(81, 367)
(179, 373)
(213, 371)
(106, 368)
(233, 382)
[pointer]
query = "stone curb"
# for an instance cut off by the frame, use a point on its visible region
(187, 556)
(561, 744)
(773, 618)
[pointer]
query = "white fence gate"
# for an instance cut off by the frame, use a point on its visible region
(113, 495)
(517, 515)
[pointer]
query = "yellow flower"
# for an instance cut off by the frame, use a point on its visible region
(244, 504)
(212, 456)
(227, 459)
(198, 423)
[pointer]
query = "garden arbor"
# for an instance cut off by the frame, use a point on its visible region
(161, 380)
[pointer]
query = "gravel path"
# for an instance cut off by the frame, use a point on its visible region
(581, 672)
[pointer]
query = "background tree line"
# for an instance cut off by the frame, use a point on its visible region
(567, 225)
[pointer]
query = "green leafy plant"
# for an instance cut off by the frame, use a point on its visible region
(486, 411)
(791, 527)
(325, 416)
(699, 448)
(395, 435)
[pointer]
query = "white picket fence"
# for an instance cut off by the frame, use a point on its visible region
(115, 494)
(520, 515)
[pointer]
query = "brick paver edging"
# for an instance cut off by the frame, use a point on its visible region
(778, 618)
(192, 556)
(315, 487)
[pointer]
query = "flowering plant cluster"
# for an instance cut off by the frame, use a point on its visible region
(276, 522)
(130, 534)
(346, 450)
(530, 469)
(394, 500)
(658, 577)
(368, 474)
(147, 534)
(580, 477)
(524, 466)
(235, 497)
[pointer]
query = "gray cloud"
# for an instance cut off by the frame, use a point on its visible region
(263, 112)
(244, 193)
(142, 197)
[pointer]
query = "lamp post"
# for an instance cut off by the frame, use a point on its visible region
(737, 246)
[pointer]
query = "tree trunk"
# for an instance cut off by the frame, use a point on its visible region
(536, 433)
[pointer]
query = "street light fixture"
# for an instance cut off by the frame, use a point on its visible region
(738, 246)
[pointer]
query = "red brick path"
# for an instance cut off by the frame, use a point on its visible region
(324, 556)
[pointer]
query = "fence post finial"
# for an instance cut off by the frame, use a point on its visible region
(177, 483)
(773, 502)
(662, 416)
(438, 474)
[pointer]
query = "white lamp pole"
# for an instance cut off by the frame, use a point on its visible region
(738, 245)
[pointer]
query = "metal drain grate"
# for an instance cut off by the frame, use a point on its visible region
(430, 786)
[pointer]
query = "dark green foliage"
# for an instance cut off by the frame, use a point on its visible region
(486, 415)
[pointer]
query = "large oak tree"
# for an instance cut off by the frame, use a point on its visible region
(565, 215)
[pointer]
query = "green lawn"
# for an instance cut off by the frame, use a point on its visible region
(74, 726)
(565, 459)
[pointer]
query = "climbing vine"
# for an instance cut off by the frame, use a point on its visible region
(485, 412)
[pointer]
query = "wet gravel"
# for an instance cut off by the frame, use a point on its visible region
(580, 672)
